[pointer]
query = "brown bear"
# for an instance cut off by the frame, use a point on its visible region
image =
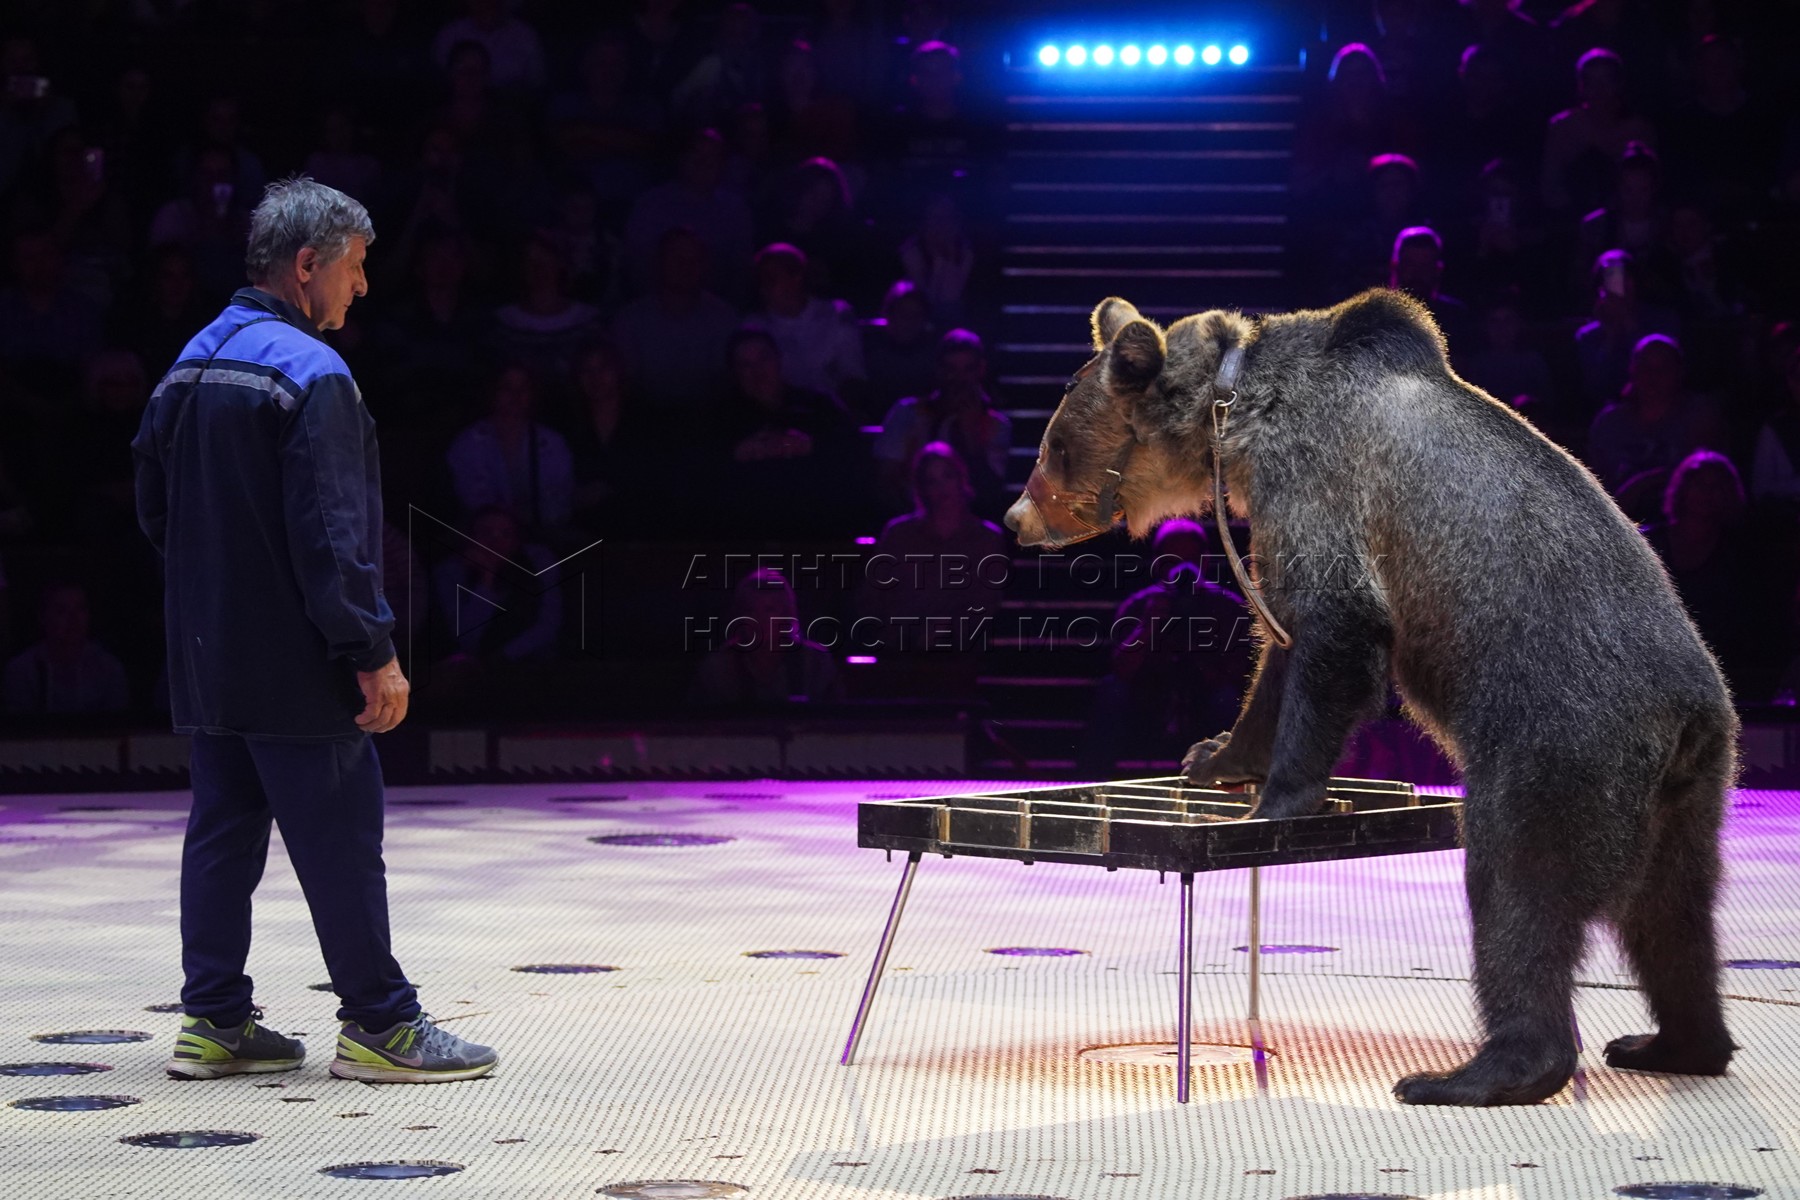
(1526, 623)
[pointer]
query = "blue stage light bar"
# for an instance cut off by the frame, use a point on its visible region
(1052, 55)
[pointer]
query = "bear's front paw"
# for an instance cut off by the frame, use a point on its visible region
(1656, 1052)
(1210, 761)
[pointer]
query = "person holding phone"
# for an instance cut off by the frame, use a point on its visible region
(258, 482)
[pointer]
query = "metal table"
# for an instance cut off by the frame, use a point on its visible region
(1161, 824)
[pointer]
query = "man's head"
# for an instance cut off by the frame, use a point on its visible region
(307, 245)
(1418, 262)
(781, 278)
(1656, 371)
(935, 76)
(961, 367)
(940, 479)
(63, 615)
(755, 362)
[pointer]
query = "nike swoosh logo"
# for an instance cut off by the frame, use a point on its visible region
(231, 1045)
(414, 1060)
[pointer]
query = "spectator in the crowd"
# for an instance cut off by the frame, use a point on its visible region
(46, 327)
(508, 460)
(1507, 367)
(158, 324)
(210, 221)
(729, 74)
(1389, 202)
(514, 52)
(1500, 245)
(605, 131)
(768, 418)
(899, 351)
(495, 594)
(663, 43)
(1417, 268)
(222, 125)
(1775, 472)
(1583, 144)
(766, 660)
(1724, 135)
(750, 155)
(545, 324)
(587, 249)
(939, 259)
(610, 440)
(1655, 423)
(1708, 287)
(32, 107)
(67, 671)
(1622, 318)
(1485, 122)
(844, 256)
(1701, 540)
(808, 120)
(821, 347)
(791, 448)
(71, 195)
(339, 160)
(1182, 651)
(959, 411)
(96, 463)
(1353, 121)
(939, 564)
(1634, 220)
(695, 198)
(428, 347)
(848, 50)
(673, 338)
(931, 138)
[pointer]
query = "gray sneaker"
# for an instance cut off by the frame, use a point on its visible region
(206, 1051)
(415, 1051)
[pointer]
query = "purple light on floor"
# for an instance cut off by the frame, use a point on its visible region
(792, 954)
(1035, 951)
(1289, 949)
(1762, 964)
(861, 660)
(865, 541)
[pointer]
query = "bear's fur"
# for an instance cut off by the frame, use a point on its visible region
(1409, 526)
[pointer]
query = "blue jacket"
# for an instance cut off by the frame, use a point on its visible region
(257, 481)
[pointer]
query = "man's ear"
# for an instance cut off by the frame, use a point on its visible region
(306, 262)
(1111, 315)
(1135, 358)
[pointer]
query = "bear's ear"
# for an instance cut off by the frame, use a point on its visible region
(1110, 316)
(1136, 357)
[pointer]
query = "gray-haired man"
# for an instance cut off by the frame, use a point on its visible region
(257, 481)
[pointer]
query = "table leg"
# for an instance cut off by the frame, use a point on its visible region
(1184, 1032)
(1257, 1050)
(881, 957)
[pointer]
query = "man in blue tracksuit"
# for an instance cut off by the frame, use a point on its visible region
(258, 483)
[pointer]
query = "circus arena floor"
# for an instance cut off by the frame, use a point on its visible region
(667, 1054)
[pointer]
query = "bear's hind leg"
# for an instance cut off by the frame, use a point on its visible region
(1667, 932)
(1530, 927)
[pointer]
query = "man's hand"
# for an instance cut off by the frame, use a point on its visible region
(385, 693)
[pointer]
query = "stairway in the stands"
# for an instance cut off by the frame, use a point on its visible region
(1173, 194)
